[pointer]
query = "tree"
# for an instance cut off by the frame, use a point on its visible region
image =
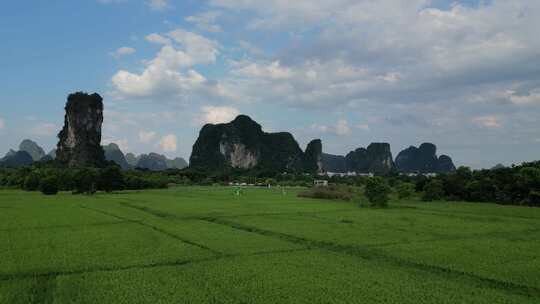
(529, 182)
(405, 190)
(31, 182)
(85, 181)
(111, 179)
(49, 185)
(433, 191)
(377, 192)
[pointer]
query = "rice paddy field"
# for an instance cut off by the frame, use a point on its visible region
(207, 245)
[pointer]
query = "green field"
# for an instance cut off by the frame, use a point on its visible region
(206, 245)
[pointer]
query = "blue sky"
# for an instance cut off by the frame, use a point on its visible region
(464, 75)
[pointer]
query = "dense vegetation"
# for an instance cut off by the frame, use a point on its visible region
(208, 245)
(46, 177)
(516, 185)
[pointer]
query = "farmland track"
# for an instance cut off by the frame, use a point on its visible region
(52, 227)
(161, 214)
(54, 274)
(172, 235)
(370, 253)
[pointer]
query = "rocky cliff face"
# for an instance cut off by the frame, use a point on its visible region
(153, 162)
(177, 163)
(423, 160)
(334, 163)
(242, 144)
(313, 161)
(80, 138)
(377, 158)
(33, 149)
(114, 154)
(445, 164)
(131, 159)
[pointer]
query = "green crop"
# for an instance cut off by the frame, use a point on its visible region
(209, 245)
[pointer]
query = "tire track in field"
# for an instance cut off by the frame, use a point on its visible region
(476, 216)
(50, 276)
(435, 236)
(373, 254)
(162, 214)
(52, 227)
(364, 252)
(159, 230)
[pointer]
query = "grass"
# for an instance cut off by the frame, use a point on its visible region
(206, 245)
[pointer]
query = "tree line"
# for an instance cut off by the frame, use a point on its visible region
(516, 185)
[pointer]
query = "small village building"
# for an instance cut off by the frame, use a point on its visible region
(321, 183)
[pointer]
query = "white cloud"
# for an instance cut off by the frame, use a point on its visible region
(170, 72)
(411, 51)
(147, 136)
(158, 5)
(158, 39)
(340, 128)
(311, 83)
(123, 51)
(214, 115)
(168, 143)
(488, 121)
(206, 21)
(2, 123)
(45, 129)
(531, 98)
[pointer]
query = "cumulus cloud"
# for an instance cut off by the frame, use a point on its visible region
(168, 143)
(311, 83)
(147, 136)
(123, 51)
(214, 115)
(171, 71)
(430, 69)
(411, 51)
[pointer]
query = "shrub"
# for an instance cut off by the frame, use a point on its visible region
(49, 185)
(377, 192)
(433, 191)
(405, 190)
(340, 192)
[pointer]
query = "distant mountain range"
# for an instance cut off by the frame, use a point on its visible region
(152, 161)
(377, 158)
(30, 152)
(242, 144)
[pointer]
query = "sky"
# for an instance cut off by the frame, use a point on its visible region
(464, 75)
